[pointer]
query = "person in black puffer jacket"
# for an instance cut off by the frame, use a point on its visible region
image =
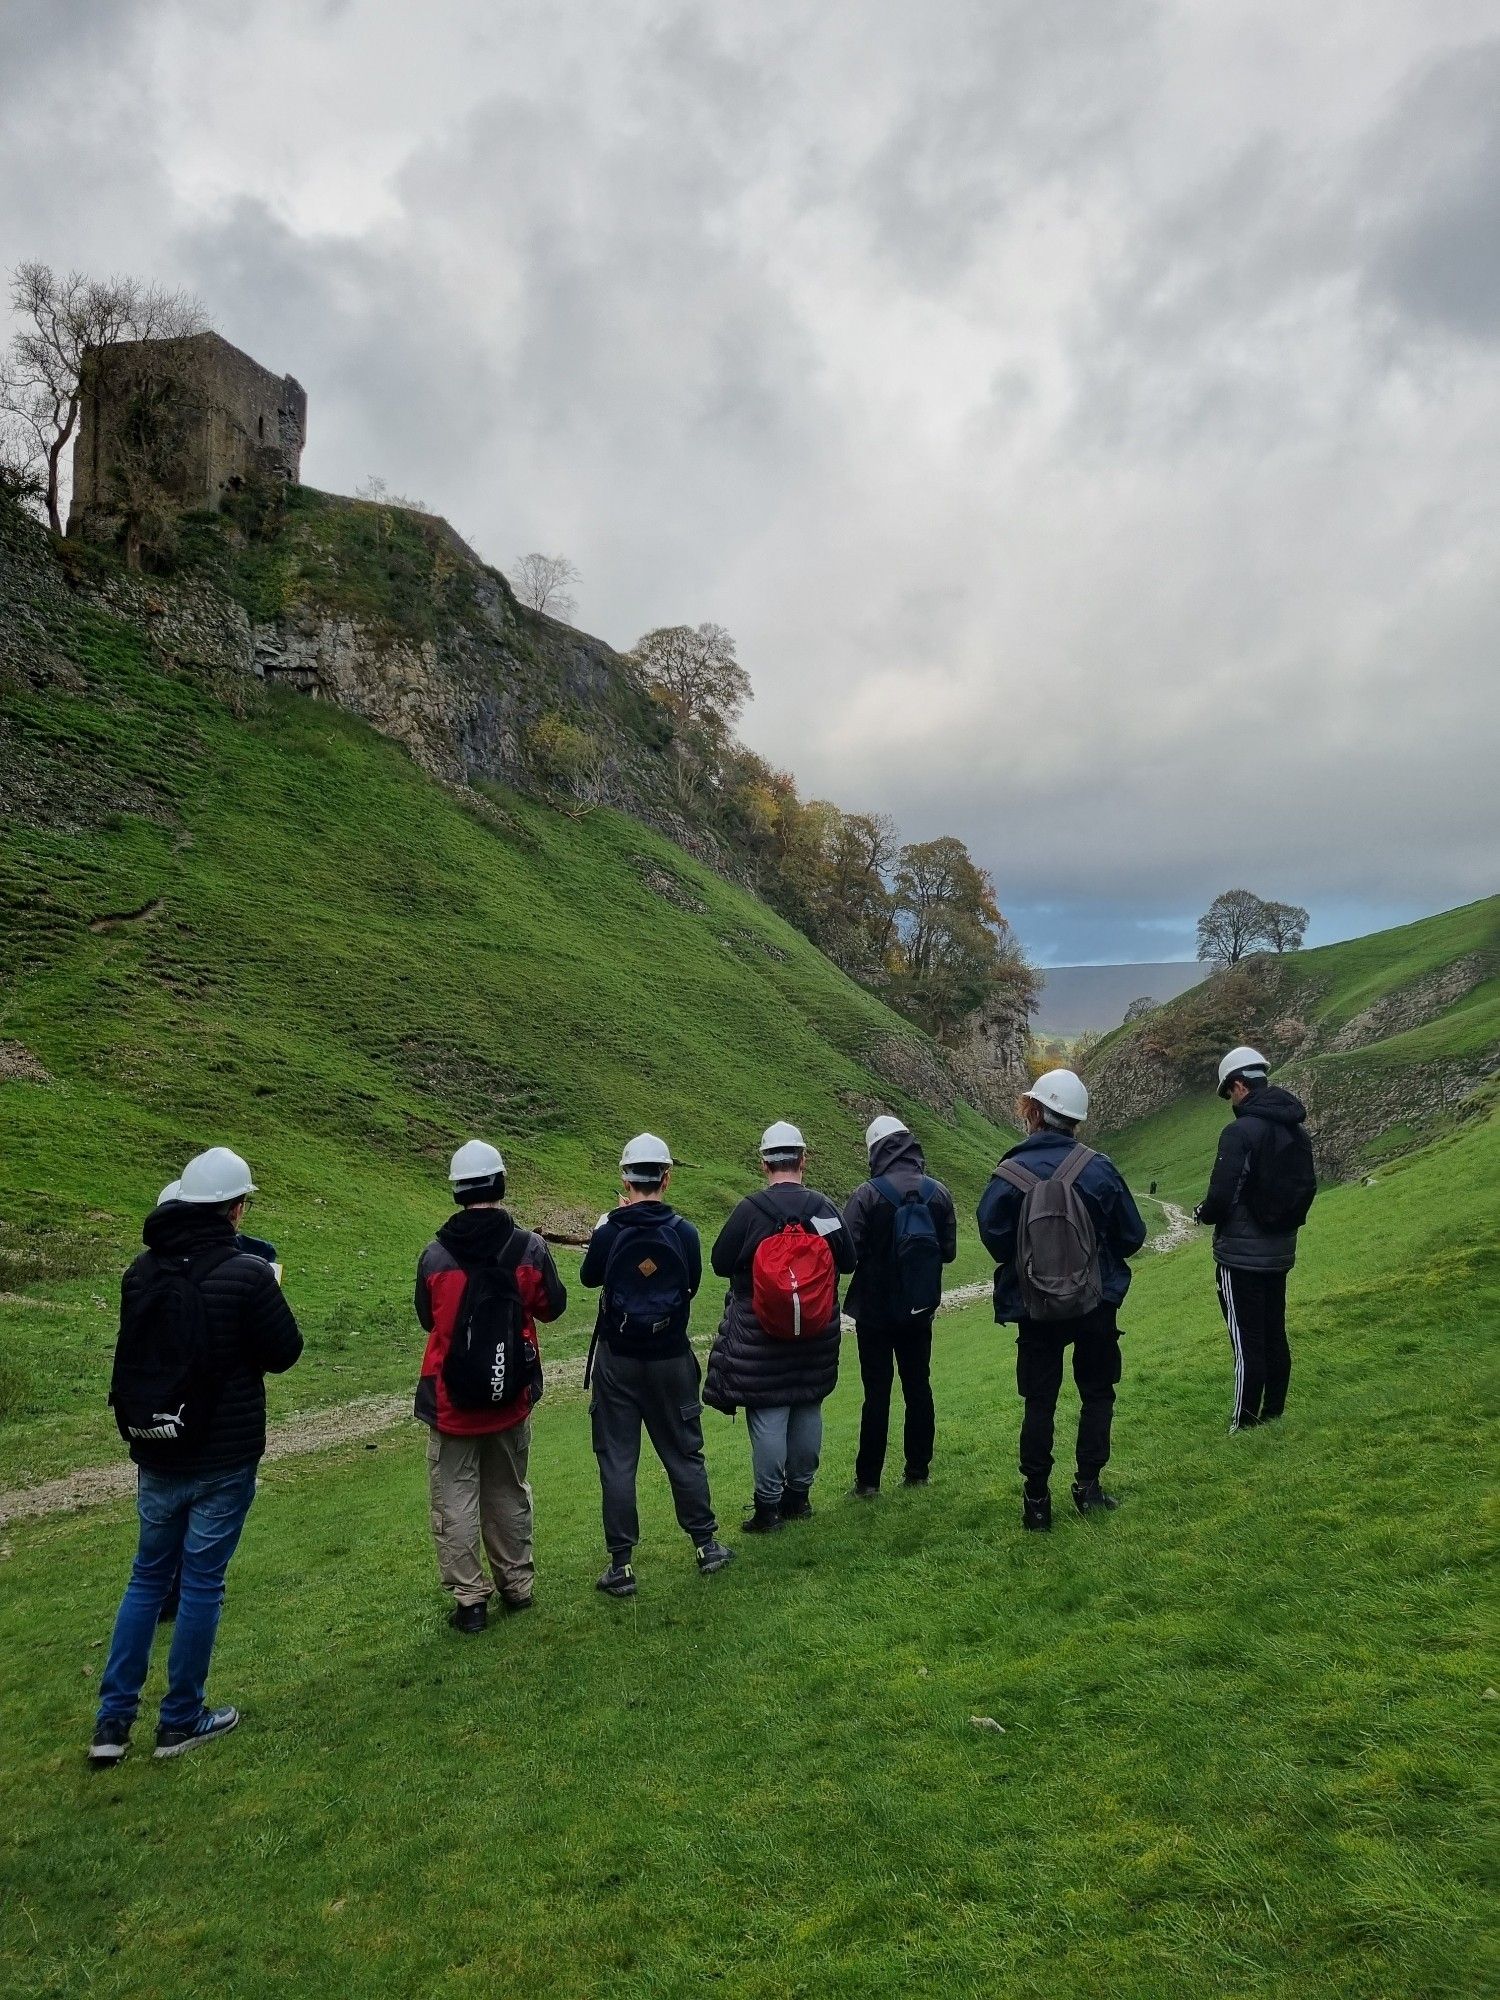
(1265, 1150)
(193, 1496)
(781, 1385)
(889, 1334)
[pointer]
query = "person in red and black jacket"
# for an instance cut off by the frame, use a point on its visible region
(476, 1457)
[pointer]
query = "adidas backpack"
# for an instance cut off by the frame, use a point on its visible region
(915, 1250)
(1057, 1251)
(794, 1283)
(163, 1386)
(490, 1364)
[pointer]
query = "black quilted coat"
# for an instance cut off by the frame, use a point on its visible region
(250, 1326)
(747, 1370)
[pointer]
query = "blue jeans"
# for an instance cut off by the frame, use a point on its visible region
(194, 1519)
(784, 1447)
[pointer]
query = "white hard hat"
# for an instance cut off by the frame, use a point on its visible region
(475, 1162)
(781, 1138)
(1237, 1062)
(170, 1192)
(215, 1176)
(1063, 1092)
(884, 1127)
(646, 1150)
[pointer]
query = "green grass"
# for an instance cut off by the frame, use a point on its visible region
(345, 970)
(1246, 1720)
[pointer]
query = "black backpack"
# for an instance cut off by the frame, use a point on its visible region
(1282, 1180)
(646, 1285)
(490, 1364)
(163, 1387)
(915, 1249)
(1057, 1250)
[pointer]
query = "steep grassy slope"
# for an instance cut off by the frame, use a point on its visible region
(268, 927)
(1388, 1037)
(1245, 1719)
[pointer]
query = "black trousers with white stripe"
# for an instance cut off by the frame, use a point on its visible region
(1254, 1307)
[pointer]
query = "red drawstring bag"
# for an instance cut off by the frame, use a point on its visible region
(794, 1284)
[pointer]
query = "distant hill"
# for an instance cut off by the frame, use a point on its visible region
(1091, 999)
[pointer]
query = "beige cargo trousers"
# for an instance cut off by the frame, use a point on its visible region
(481, 1507)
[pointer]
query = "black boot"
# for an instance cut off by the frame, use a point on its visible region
(1089, 1497)
(469, 1617)
(794, 1506)
(1036, 1511)
(764, 1521)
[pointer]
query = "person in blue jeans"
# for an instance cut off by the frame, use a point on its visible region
(193, 1494)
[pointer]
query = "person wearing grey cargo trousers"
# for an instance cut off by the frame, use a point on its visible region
(647, 1262)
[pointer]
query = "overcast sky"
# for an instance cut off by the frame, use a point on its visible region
(1085, 415)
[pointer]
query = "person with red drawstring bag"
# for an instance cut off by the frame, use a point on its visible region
(776, 1356)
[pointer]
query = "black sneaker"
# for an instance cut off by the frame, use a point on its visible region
(712, 1555)
(794, 1507)
(863, 1492)
(764, 1521)
(1036, 1511)
(1089, 1497)
(618, 1580)
(910, 1478)
(469, 1617)
(211, 1723)
(111, 1741)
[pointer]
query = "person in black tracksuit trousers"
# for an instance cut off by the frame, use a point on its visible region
(1052, 1111)
(890, 1337)
(647, 1375)
(1252, 1261)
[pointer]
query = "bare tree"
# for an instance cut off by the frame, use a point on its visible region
(1285, 926)
(378, 490)
(1233, 924)
(693, 672)
(546, 584)
(62, 317)
(1138, 1009)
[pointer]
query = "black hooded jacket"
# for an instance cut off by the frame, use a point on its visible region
(251, 1333)
(874, 1291)
(747, 1369)
(1247, 1149)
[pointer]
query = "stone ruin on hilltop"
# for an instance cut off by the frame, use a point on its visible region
(197, 416)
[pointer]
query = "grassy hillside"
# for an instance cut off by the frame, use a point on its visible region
(1388, 1037)
(1245, 1719)
(269, 928)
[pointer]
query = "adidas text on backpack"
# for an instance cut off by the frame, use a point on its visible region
(1057, 1251)
(794, 1283)
(915, 1249)
(163, 1387)
(490, 1364)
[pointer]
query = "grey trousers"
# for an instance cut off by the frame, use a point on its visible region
(784, 1447)
(481, 1504)
(663, 1396)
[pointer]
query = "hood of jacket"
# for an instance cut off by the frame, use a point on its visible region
(642, 1214)
(476, 1234)
(900, 1149)
(1273, 1103)
(183, 1229)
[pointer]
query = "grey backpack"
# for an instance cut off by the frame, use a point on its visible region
(1057, 1251)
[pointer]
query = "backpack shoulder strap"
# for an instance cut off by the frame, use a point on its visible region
(1017, 1175)
(1074, 1165)
(771, 1210)
(509, 1259)
(886, 1189)
(927, 1187)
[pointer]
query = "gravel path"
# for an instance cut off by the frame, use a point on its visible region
(1180, 1228)
(304, 1431)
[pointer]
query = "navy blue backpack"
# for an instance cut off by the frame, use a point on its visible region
(915, 1250)
(647, 1291)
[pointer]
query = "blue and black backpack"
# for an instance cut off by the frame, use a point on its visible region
(647, 1290)
(915, 1249)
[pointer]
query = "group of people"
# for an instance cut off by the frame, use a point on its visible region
(203, 1321)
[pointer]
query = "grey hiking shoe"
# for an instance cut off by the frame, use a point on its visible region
(1090, 1497)
(712, 1555)
(211, 1723)
(618, 1580)
(111, 1741)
